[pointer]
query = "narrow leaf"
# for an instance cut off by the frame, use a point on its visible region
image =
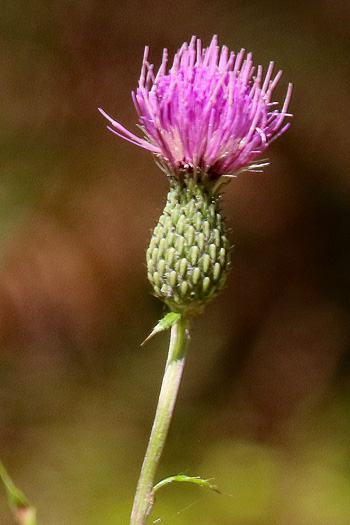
(189, 479)
(163, 324)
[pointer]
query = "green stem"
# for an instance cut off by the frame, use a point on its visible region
(179, 341)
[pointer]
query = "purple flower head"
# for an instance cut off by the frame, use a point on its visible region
(210, 113)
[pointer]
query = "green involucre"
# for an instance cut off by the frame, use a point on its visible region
(189, 254)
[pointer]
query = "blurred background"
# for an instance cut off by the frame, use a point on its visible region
(265, 402)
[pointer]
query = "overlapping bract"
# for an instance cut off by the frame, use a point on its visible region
(188, 258)
(211, 112)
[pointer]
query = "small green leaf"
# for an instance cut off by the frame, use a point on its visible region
(164, 324)
(189, 479)
(22, 509)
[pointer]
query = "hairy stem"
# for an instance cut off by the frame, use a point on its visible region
(179, 341)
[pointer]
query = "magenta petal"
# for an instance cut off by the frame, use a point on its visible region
(207, 111)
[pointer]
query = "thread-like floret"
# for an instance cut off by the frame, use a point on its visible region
(211, 113)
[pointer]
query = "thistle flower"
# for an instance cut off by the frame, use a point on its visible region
(205, 119)
(208, 112)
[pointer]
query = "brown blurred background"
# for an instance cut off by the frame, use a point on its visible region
(265, 403)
